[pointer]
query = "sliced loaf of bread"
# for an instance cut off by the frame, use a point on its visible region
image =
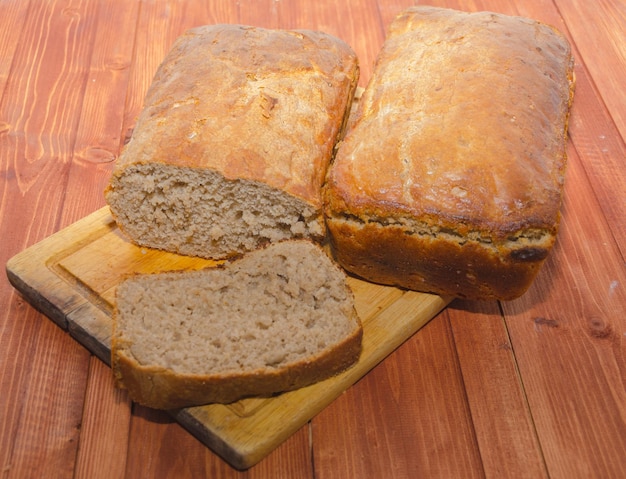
(277, 319)
(232, 147)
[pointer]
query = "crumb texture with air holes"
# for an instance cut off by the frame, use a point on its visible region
(284, 311)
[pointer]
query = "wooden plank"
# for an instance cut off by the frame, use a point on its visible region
(46, 430)
(573, 365)
(408, 418)
(98, 134)
(99, 131)
(263, 13)
(89, 258)
(504, 428)
(602, 154)
(175, 453)
(104, 437)
(43, 372)
(600, 41)
(107, 411)
(12, 16)
(40, 114)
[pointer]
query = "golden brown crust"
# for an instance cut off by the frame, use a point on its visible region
(251, 103)
(450, 178)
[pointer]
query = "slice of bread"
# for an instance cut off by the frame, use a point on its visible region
(277, 319)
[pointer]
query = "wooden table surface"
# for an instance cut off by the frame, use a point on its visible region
(532, 388)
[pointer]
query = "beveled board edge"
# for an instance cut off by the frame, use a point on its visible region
(45, 289)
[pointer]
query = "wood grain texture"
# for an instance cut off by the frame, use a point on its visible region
(595, 137)
(107, 414)
(41, 401)
(604, 32)
(402, 418)
(570, 348)
(535, 385)
(594, 127)
(40, 115)
(502, 421)
(192, 459)
(99, 132)
(13, 15)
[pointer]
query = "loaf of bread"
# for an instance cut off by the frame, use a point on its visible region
(450, 178)
(279, 318)
(232, 147)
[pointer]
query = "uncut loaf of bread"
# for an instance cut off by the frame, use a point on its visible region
(233, 144)
(279, 318)
(450, 178)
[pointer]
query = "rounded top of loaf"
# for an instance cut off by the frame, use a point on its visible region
(426, 142)
(251, 103)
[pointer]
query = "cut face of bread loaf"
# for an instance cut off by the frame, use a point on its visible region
(232, 147)
(450, 177)
(279, 318)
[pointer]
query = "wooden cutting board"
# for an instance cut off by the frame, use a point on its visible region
(72, 275)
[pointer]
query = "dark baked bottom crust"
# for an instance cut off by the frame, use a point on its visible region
(472, 270)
